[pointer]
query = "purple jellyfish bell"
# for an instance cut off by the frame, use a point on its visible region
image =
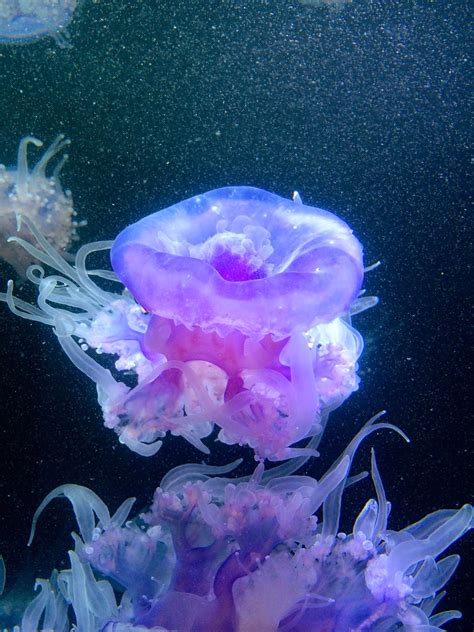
(240, 258)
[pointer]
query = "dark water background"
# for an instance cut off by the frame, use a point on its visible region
(365, 112)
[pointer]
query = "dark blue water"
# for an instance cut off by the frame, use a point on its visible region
(365, 112)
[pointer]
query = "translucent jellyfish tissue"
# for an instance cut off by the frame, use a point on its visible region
(236, 314)
(25, 21)
(38, 196)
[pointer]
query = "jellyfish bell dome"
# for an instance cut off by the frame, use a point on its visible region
(241, 258)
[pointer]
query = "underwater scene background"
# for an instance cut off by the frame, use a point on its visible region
(361, 107)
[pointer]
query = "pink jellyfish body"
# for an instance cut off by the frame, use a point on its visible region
(236, 316)
(244, 290)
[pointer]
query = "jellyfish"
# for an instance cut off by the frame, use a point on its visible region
(262, 553)
(37, 196)
(23, 21)
(236, 314)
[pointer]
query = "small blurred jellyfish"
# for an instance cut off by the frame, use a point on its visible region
(24, 21)
(37, 196)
